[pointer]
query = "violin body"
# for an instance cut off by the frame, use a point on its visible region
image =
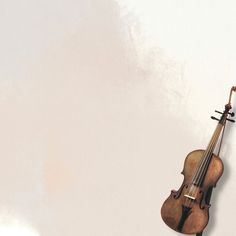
(187, 210)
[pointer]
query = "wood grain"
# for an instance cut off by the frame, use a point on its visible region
(198, 217)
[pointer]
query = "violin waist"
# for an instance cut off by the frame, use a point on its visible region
(187, 210)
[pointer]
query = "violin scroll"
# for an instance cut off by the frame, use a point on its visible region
(233, 89)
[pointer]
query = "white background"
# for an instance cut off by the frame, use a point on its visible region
(100, 103)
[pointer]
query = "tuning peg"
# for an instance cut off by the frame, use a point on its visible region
(219, 112)
(214, 118)
(230, 113)
(230, 120)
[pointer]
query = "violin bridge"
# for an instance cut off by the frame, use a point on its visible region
(188, 196)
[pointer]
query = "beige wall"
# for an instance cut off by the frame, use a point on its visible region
(100, 103)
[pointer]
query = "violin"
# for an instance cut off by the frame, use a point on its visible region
(187, 210)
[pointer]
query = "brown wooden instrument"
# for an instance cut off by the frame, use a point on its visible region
(187, 210)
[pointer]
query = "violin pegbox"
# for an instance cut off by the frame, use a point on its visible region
(229, 113)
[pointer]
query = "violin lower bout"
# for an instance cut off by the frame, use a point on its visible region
(186, 215)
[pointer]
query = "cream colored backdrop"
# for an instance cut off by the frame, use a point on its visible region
(101, 101)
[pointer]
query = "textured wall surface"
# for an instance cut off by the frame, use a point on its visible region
(101, 101)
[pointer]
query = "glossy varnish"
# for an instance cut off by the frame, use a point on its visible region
(187, 210)
(172, 208)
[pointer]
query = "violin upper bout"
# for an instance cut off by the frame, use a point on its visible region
(214, 172)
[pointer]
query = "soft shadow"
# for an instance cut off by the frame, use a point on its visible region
(219, 189)
(213, 216)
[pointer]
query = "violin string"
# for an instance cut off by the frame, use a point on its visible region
(206, 159)
(202, 169)
(198, 175)
(204, 162)
(199, 169)
(206, 154)
(192, 192)
(195, 177)
(209, 157)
